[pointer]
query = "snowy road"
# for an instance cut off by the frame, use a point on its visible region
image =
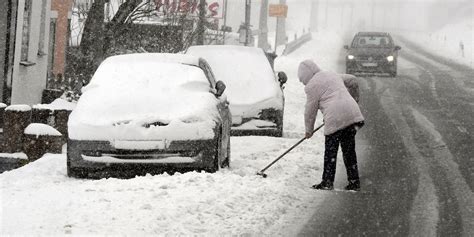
(415, 153)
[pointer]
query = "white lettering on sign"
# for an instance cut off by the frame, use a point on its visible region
(214, 8)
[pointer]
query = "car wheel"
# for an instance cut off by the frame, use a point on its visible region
(226, 162)
(215, 162)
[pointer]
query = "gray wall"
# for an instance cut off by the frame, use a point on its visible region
(3, 42)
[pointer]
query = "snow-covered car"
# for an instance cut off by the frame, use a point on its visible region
(254, 91)
(372, 52)
(149, 113)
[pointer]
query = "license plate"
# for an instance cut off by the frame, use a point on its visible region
(369, 64)
(140, 145)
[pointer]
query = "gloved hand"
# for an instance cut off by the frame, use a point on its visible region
(308, 135)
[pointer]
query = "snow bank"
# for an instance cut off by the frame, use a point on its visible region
(39, 129)
(57, 104)
(128, 92)
(20, 108)
(18, 155)
(447, 41)
(229, 202)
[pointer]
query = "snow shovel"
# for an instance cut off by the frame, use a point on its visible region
(261, 172)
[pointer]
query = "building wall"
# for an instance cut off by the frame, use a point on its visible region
(62, 8)
(29, 81)
(3, 43)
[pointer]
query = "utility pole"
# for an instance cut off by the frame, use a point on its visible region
(373, 14)
(225, 21)
(342, 6)
(280, 37)
(247, 22)
(326, 15)
(352, 15)
(314, 15)
(263, 28)
(202, 18)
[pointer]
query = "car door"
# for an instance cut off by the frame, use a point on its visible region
(223, 108)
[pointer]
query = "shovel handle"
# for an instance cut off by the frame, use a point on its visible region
(291, 148)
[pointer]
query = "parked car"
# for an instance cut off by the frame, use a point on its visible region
(254, 91)
(149, 113)
(372, 52)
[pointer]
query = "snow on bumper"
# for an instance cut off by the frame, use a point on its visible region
(180, 154)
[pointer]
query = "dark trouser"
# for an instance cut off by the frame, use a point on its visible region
(345, 137)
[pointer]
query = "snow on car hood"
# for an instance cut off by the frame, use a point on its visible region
(247, 73)
(145, 100)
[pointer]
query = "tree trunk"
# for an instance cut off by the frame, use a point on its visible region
(92, 37)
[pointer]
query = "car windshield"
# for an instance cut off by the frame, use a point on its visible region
(368, 41)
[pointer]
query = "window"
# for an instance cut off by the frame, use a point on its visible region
(25, 39)
(41, 42)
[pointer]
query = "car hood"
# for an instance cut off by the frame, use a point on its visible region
(140, 116)
(370, 51)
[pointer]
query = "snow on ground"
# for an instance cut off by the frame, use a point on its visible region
(40, 199)
(447, 41)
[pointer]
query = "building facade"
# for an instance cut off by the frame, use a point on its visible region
(28, 52)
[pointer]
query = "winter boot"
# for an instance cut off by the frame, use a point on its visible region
(324, 185)
(354, 185)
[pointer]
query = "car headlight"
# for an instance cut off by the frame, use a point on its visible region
(390, 58)
(350, 57)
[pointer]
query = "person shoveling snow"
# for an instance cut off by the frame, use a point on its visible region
(327, 92)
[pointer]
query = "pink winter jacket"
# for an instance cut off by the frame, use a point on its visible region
(326, 91)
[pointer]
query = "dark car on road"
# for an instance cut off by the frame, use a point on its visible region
(372, 52)
(149, 113)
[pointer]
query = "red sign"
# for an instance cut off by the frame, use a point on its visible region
(278, 10)
(215, 8)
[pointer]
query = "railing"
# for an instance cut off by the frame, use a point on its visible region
(293, 45)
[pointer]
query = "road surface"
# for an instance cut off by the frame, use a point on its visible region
(415, 155)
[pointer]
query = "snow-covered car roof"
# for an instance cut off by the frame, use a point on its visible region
(141, 88)
(245, 70)
(156, 57)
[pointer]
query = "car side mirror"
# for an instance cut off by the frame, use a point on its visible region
(346, 46)
(282, 78)
(398, 47)
(220, 88)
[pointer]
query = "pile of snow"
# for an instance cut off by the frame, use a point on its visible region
(17, 155)
(40, 129)
(230, 202)
(128, 92)
(57, 104)
(19, 108)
